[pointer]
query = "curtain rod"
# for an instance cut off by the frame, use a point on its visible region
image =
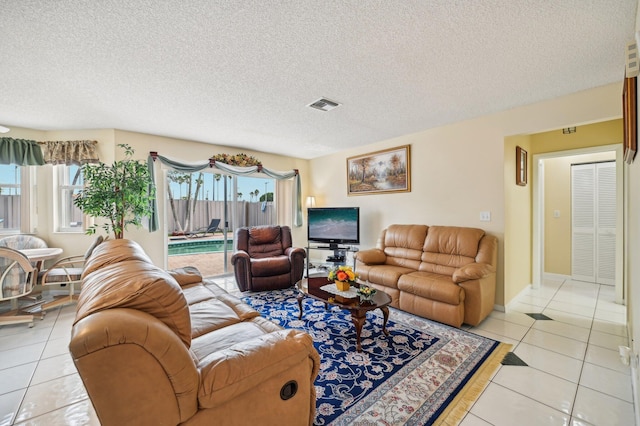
(212, 161)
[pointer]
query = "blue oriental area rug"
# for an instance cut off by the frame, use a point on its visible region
(423, 373)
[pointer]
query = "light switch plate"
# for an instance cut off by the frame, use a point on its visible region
(485, 216)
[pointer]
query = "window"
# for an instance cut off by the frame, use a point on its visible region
(70, 183)
(10, 197)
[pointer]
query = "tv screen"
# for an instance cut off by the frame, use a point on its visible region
(334, 225)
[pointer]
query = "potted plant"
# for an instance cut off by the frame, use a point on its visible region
(121, 193)
(343, 276)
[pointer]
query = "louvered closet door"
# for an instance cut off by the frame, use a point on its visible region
(583, 222)
(593, 214)
(606, 223)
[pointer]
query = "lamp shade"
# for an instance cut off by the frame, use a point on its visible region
(311, 201)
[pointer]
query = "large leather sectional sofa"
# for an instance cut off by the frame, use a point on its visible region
(157, 347)
(443, 273)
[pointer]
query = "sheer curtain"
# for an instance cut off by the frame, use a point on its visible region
(232, 170)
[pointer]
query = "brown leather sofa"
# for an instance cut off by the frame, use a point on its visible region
(157, 347)
(265, 259)
(443, 273)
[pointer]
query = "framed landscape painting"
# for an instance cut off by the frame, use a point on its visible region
(380, 172)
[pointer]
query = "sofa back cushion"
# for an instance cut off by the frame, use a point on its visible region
(263, 241)
(403, 244)
(447, 248)
(114, 251)
(118, 280)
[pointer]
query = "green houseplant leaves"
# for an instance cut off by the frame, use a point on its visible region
(121, 193)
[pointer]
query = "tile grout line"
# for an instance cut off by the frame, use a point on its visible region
(575, 397)
(15, 417)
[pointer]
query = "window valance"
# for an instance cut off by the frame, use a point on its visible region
(22, 152)
(70, 152)
(232, 170)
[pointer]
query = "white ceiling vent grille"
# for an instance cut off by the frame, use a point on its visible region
(324, 104)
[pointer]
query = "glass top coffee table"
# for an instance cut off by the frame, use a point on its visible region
(311, 287)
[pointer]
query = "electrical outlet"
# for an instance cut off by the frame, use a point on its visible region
(485, 216)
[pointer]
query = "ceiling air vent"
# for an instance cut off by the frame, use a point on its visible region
(324, 104)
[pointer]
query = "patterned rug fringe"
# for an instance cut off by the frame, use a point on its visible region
(458, 408)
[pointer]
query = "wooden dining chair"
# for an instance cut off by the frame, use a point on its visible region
(67, 272)
(17, 277)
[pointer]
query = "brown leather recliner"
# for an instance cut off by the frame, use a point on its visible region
(265, 259)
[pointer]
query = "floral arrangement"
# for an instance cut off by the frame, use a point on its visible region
(342, 273)
(366, 292)
(241, 160)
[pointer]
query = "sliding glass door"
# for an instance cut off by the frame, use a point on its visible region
(204, 210)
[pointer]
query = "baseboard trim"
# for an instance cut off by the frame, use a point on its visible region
(555, 277)
(509, 306)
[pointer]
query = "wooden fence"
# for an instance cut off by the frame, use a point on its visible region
(247, 213)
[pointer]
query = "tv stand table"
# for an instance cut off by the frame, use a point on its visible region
(339, 256)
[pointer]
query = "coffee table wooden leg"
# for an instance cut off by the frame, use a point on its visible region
(358, 321)
(300, 298)
(385, 315)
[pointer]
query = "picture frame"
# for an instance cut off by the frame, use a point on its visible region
(380, 172)
(629, 118)
(521, 166)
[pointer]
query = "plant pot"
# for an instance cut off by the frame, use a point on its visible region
(343, 285)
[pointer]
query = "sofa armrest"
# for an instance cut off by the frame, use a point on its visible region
(242, 269)
(186, 275)
(296, 258)
(229, 373)
(371, 257)
(472, 271)
(134, 368)
(295, 252)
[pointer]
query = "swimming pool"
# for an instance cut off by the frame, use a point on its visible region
(196, 247)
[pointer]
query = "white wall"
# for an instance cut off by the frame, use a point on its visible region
(458, 170)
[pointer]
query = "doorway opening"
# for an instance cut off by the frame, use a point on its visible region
(546, 216)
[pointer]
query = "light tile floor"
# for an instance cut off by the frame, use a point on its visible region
(574, 375)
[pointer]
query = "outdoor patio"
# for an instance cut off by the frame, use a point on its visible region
(209, 264)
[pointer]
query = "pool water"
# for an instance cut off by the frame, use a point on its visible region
(195, 247)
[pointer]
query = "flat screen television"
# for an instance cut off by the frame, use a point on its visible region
(333, 225)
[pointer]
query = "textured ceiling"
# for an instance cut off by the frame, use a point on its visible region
(240, 73)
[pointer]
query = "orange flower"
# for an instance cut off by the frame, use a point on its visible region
(342, 273)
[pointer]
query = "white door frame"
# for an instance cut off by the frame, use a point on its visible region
(538, 213)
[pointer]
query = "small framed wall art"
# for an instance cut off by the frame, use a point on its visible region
(521, 166)
(380, 172)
